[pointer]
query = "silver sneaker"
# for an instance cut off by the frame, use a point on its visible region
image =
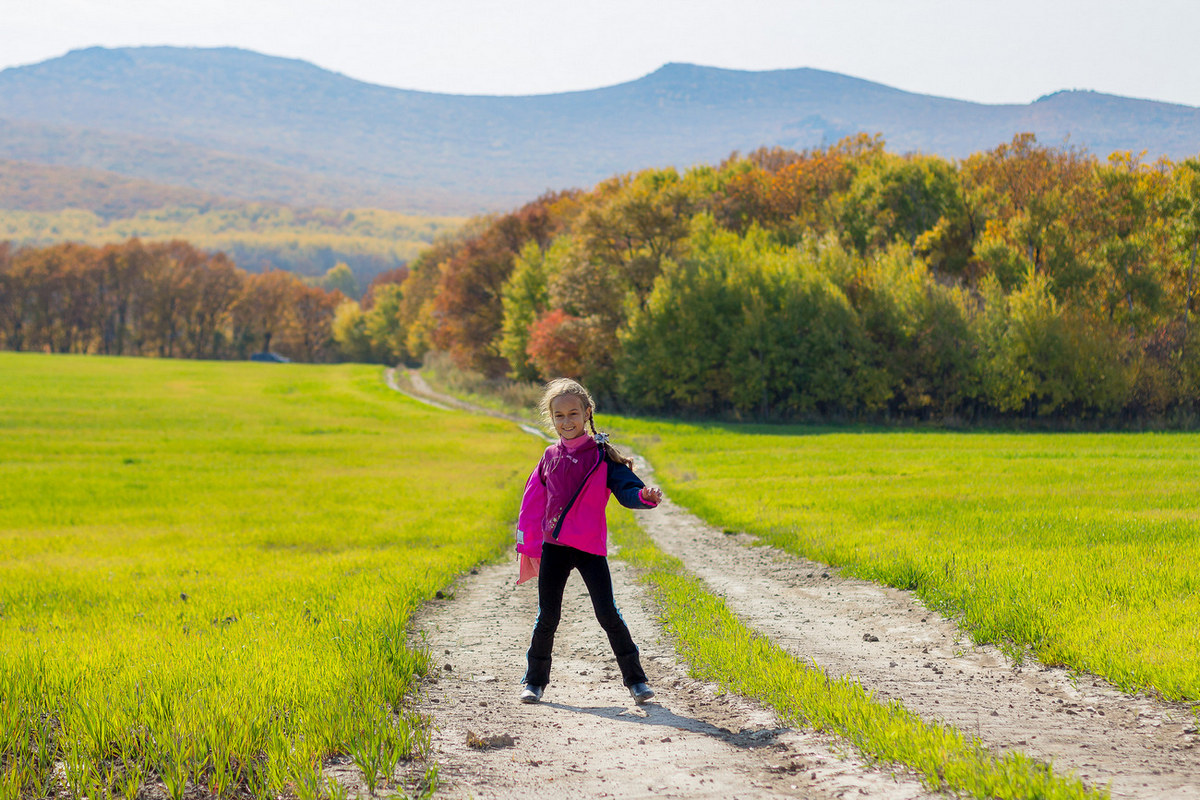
(532, 694)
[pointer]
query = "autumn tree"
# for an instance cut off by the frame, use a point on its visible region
(13, 292)
(169, 296)
(469, 299)
(557, 344)
(124, 267)
(53, 297)
(744, 195)
(312, 311)
(417, 314)
(635, 225)
(807, 192)
(1033, 209)
(792, 194)
(215, 285)
(392, 276)
(262, 311)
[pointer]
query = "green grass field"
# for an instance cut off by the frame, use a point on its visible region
(208, 569)
(1082, 549)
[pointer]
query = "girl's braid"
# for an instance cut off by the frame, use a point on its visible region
(602, 439)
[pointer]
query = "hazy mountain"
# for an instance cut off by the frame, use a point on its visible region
(240, 124)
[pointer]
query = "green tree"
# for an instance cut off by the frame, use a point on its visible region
(634, 225)
(675, 348)
(339, 278)
(901, 198)
(1127, 247)
(349, 332)
(744, 324)
(1041, 359)
(525, 298)
(383, 326)
(1184, 209)
(796, 348)
(919, 330)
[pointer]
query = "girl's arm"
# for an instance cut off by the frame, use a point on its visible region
(529, 521)
(628, 488)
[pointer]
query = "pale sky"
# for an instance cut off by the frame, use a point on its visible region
(991, 51)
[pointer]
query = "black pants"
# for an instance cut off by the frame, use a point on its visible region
(557, 563)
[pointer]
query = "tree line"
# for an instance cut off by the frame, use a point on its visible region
(838, 282)
(165, 299)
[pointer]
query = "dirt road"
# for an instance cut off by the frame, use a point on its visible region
(591, 741)
(587, 738)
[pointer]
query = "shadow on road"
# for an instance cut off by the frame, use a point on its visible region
(657, 715)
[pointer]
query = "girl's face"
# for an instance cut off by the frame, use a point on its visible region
(569, 415)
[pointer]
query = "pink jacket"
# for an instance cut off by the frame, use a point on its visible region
(584, 526)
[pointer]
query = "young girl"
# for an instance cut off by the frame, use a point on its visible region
(562, 527)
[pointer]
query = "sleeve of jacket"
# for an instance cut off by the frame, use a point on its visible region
(625, 485)
(529, 521)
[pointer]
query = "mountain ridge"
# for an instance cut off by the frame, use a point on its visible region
(287, 130)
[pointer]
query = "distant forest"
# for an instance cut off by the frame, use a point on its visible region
(842, 282)
(164, 299)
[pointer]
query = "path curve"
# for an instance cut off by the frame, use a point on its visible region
(1143, 747)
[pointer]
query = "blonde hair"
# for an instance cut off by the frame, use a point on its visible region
(563, 387)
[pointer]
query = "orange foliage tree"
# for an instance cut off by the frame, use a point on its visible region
(167, 299)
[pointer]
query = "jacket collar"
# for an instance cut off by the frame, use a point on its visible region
(576, 444)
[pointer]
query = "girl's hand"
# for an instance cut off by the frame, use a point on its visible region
(652, 496)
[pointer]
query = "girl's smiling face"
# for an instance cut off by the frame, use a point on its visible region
(569, 416)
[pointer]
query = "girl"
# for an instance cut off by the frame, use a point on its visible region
(562, 527)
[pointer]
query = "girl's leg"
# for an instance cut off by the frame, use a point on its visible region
(594, 571)
(552, 579)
